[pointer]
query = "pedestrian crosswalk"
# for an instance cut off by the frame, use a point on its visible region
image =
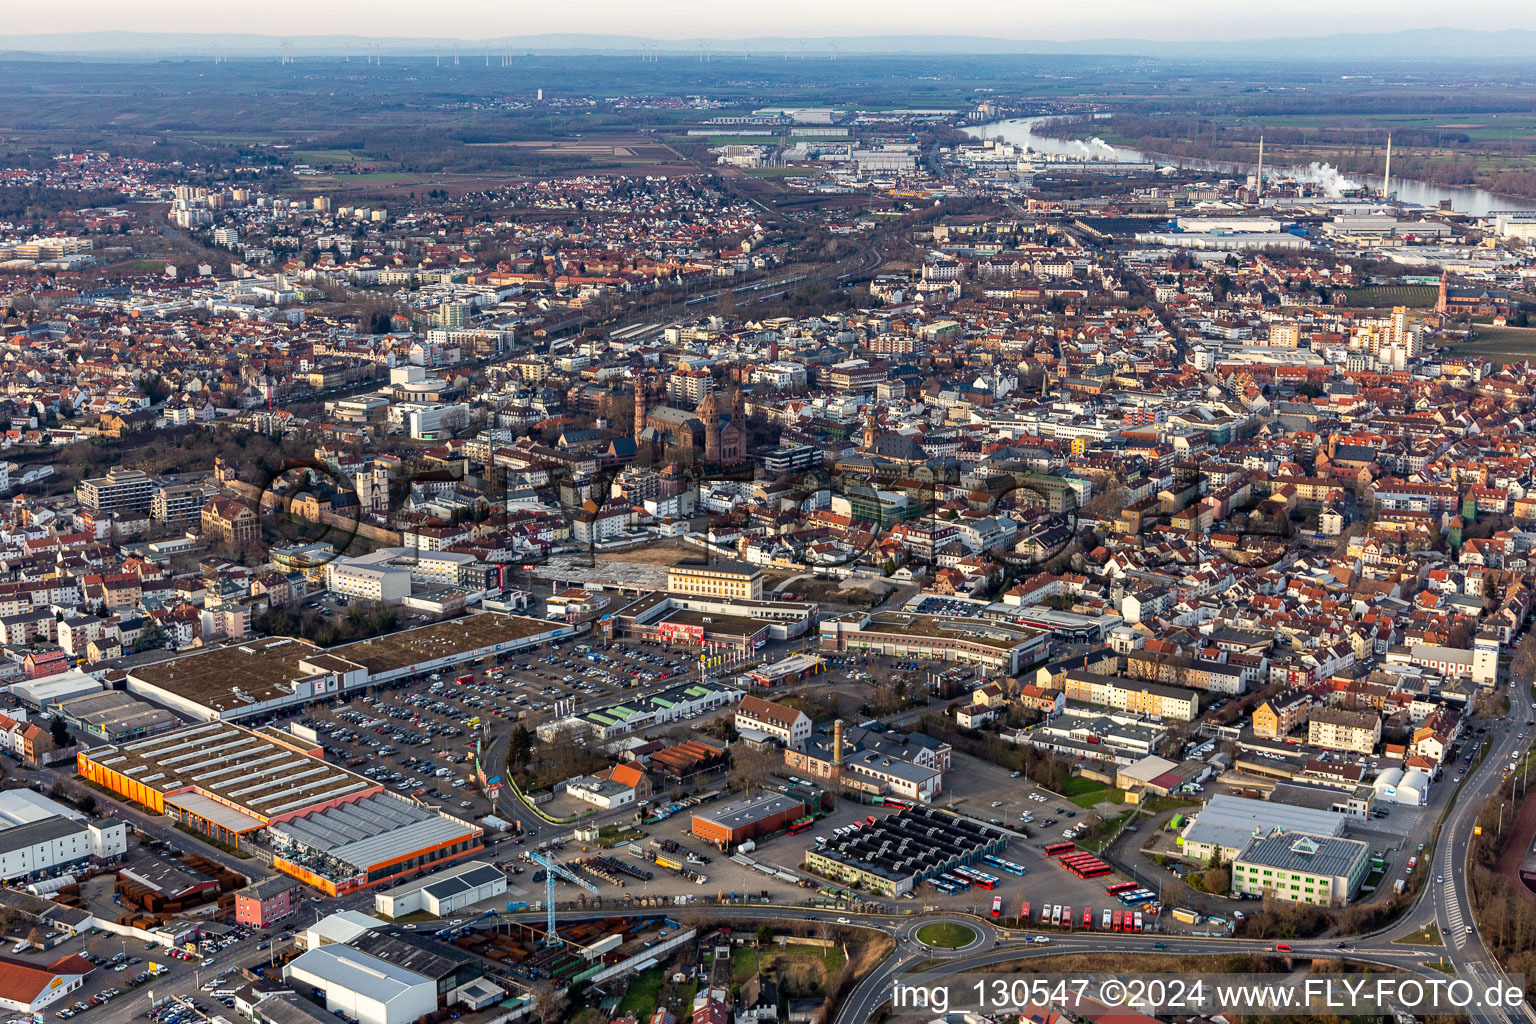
(1453, 919)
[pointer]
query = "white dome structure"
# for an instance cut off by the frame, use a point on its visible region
(1387, 782)
(1414, 789)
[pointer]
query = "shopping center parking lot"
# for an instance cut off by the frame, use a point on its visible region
(418, 735)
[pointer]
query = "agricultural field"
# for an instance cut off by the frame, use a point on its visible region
(1414, 296)
(1500, 344)
(1478, 126)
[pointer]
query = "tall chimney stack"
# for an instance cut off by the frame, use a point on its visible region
(1258, 179)
(837, 744)
(1386, 177)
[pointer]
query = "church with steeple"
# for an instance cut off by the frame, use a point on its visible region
(707, 435)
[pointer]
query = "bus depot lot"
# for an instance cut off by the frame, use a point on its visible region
(972, 786)
(1045, 881)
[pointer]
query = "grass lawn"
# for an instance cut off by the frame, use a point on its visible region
(413, 917)
(1500, 344)
(1413, 295)
(611, 835)
(137, 265)
(945, 935)
(1154, 805)
(236, 140)
(641, 995)
(1424, 937)
(1098, 834)
(321, 156)
(809, 965)
(1087, 792)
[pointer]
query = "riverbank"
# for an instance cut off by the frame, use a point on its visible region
(1089, 138)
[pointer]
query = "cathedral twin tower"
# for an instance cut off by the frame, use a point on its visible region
(720, 438)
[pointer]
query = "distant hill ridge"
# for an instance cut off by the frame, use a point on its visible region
(1408, 44)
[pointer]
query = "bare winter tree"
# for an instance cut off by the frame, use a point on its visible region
(752, 766)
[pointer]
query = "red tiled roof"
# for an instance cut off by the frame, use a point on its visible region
(23, 981)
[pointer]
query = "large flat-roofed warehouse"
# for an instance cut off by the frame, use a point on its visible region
(740, 820)
(330, 827)
(897, 852)
(996, 645)
(364, 842)
(259, 677)
(444, 893)
(445, 644)
(1226, 824)
(113, 715)
(365, 988)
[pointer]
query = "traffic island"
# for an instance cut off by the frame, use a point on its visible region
(945, 935)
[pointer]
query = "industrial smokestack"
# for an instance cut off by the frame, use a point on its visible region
(1258, 180)
(1386, 177)
(837, 743)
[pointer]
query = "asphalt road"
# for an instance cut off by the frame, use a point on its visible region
(1448, 904)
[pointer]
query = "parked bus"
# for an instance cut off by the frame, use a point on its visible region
(975, 875)
(1006, 865)
(1087, 917)
(997, 906)
(1107, 920)
(956, 881)
(943, 886)
(900, 805)
(1085, 865)
(1056, 914)
(1024, 912)
(1138, 921)
(796, 827)
(1137, 898)
(1119, 887)
(1066, 917)
(1056, 849)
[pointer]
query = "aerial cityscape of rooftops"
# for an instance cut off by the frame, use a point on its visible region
(601, 529)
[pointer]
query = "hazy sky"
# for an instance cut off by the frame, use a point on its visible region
(1011, 19)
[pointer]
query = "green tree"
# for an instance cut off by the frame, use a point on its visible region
(60, 731)
(151, 638)
(522, 746)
